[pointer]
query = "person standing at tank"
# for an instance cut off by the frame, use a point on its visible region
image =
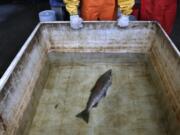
(92, 10)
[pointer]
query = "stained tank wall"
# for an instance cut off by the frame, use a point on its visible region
(21, 88)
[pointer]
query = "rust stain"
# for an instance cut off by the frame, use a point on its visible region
(3, 123)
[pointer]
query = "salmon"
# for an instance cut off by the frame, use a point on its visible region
(97, 93)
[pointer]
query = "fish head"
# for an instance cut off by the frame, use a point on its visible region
(109, 72)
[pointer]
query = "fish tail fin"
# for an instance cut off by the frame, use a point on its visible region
(84, 115)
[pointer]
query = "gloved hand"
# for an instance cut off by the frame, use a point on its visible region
(76, 22)
(123, 21)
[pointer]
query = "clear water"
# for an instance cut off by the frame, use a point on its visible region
(131, 106)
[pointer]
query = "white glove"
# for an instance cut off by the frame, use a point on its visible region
(76, 22)
(123, 21)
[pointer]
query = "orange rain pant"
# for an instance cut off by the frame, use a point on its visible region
(98, 9)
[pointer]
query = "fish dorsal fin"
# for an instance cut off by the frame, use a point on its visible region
(94, 87)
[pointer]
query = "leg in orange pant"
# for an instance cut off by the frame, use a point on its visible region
(98, 10)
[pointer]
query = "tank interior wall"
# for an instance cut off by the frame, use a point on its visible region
(30, 110)
(19, 100)
(95, 37)
(164, 68)
(149, 40)
(18, 97)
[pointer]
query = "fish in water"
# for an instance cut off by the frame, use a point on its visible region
(97, 93)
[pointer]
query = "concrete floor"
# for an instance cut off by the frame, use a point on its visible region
(16, 24)
(18, 21)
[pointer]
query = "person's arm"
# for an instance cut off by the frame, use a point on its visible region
(72, 8)
(125, 7)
